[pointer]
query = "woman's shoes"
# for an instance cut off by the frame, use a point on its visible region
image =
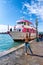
(26, 54)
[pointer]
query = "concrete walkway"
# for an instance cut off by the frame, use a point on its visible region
(18, 57)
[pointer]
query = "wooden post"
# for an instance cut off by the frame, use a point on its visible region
(37, 30)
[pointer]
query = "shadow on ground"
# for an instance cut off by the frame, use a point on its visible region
(36, 55)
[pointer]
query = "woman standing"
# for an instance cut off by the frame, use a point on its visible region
(27, 44)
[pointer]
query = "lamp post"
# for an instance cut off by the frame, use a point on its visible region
(37, 39)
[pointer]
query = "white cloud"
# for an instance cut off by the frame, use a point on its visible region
(35, 8)
(4, 28)
(25, 12)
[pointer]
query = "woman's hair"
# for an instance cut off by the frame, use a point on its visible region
(26, 35)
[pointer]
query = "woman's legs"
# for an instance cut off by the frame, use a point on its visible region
(30, 48)
(25, 47)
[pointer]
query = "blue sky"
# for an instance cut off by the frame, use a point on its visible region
(13, 10)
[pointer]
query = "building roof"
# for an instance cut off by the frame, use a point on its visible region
(24, 21)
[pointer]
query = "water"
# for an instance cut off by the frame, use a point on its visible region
(6, 42)
(40, 32)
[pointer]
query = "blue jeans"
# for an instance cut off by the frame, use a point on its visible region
(27, 45)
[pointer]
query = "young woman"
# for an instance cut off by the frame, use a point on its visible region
(27, 44)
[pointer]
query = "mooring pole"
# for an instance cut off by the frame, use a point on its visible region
(37, 39)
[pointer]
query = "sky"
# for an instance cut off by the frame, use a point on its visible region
(13, 10)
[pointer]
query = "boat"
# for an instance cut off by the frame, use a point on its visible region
(20, 30)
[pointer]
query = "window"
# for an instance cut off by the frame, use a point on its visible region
(24, 23)
(19, 30)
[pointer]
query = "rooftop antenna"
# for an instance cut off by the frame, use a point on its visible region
(22, 18)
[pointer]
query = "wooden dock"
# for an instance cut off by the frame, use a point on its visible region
(18, 58)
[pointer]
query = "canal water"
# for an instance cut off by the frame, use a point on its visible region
(6, 42)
